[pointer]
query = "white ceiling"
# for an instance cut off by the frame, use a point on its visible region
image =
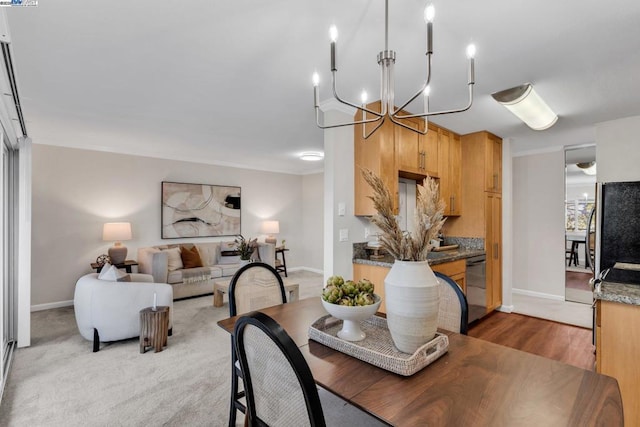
(230, 82)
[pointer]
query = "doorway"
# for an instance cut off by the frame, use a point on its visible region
(580, 196)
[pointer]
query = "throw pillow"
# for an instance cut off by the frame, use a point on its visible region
(125, 278)
(103, 273)
(112, 274)
(174, 259)
(190, 257)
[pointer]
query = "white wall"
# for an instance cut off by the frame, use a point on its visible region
(312, 221)
(76, 191)
(618, 150)
(538, 224)
(339, 188)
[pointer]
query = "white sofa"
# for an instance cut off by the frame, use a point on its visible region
(154, 260)
(110, 311)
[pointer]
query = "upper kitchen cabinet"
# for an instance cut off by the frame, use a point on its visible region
(376, 153)
(486, 158)
(450, 170)
(416, 154)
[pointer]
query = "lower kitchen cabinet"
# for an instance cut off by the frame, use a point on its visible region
(618, 352)
(376, 274)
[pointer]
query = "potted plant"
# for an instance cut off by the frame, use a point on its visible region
(411, 288)
(245, 247)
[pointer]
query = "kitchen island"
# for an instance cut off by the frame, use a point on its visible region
(618, 341)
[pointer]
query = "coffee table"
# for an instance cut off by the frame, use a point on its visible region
(221, 287)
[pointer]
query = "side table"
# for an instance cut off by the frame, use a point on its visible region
(281, 265)
(154, 328)
(126, 265)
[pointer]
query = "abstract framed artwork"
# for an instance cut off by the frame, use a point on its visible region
(199, 210)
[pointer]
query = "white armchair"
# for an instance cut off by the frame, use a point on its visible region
(110, 311)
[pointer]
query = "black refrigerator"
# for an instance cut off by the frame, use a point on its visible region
(620, 232)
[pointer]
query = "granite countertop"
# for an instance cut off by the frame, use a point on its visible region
(618, 292)
(433, 258)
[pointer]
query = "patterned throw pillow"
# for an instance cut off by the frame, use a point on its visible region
(190, 257)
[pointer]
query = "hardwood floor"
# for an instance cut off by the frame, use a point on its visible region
(558, 341)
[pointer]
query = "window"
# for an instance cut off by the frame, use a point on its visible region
(576, 214)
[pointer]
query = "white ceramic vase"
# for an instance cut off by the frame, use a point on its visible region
(411, 298)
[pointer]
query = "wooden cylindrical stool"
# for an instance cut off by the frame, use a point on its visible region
(154, 328)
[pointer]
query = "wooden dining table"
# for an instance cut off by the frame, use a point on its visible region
(476, 383)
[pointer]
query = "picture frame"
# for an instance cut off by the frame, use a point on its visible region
(199, 210)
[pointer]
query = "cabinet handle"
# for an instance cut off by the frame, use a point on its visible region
(495, 251)
(452, 203)
(495, 181)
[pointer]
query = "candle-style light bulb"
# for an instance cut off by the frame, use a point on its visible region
(471, 51)
(316, 90)
(333, 33)
(429, 13)
(426, 91)
(363, 97)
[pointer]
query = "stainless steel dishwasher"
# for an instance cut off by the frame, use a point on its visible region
(476, 287)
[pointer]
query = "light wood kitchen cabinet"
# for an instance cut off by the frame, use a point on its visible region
(450, 170)
(493, 248)
(416, 154)
(482, 217)
(618, 351)
(494, 162)
(376, 274)
(456, 270)
(376, 153)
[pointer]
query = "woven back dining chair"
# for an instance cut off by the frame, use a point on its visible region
(453, 312)
(279, 386)
(254, 286)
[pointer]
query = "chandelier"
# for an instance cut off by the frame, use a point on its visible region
(386, 60)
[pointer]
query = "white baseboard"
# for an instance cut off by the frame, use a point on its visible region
(312, 270)
(506, 308)
(50, 305)
(538, 294)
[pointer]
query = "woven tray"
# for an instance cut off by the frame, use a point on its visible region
(377, 348)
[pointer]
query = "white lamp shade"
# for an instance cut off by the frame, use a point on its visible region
(526, 104)
(116, 231)
(271, 227)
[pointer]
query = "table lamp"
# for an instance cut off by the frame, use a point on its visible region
(270, 228)
(116, 232)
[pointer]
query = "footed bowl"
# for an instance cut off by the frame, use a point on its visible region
(351, 317)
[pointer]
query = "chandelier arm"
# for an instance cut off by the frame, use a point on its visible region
(437, 113)
(357, 122)
(395, 113)
(367, 135)
(426, 127)
(358, 107)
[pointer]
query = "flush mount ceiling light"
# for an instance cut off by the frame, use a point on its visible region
(588, 168)
(312, 156)
(386, 60)
(526, 104)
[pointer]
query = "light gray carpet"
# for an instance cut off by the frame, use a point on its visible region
(58, 381)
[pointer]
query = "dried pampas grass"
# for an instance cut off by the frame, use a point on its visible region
(429, 219)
